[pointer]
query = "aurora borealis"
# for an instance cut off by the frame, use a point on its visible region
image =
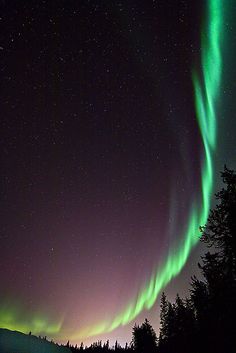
(111, 144)
(205, 99)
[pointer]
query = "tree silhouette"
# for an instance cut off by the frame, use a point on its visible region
(199, 298)
(219, 268)
(214, 297)
(207, 317)
(144, 338)
(163, 336)
(177, 325)
(220, 230)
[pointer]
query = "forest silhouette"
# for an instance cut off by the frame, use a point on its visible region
(204, 321)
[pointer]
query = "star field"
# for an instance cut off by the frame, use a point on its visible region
(100, 151)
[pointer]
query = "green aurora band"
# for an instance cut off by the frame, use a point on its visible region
(206, 88)
(13, 318)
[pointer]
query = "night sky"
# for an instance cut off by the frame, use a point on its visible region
(101, 155)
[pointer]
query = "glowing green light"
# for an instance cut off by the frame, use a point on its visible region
(206, 92)
(14, 319)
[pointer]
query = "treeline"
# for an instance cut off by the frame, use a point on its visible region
(99, 347)
(205, 321)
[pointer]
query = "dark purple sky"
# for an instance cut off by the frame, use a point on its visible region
(100, 151)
